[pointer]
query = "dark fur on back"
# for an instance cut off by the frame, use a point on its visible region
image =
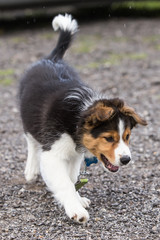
(44, 111)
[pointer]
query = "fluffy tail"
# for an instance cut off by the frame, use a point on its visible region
(68, 27)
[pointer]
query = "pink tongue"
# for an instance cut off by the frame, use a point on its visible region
(112, 167)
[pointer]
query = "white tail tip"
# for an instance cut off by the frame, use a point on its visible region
(65, 23)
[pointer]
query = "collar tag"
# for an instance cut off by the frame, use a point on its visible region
(89, 161)
(83, 181)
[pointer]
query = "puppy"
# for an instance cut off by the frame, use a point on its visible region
(65, 120)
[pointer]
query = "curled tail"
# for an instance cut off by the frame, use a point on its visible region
(68, 27)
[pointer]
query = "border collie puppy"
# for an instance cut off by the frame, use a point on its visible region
(64, 120)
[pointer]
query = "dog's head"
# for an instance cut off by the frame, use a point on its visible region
(106, 129)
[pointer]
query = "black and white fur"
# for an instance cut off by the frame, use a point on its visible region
(52, 99)
(49, 85)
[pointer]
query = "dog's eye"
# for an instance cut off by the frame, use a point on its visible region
(109, 139)
(127, 137)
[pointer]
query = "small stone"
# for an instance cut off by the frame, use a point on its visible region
(154, 229)
(103, 210)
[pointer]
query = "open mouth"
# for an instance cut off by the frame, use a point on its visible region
(109, 165)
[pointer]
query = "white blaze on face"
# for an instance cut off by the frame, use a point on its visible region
(122, 148)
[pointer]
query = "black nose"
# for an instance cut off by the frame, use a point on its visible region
(125, 159)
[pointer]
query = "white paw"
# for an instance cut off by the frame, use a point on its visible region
(78, 214)
(84, 201)
(30, 176)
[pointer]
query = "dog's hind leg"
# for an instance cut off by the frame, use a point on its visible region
(32, 165)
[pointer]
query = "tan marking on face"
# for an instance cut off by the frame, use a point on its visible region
(100, 145)
(126, 133)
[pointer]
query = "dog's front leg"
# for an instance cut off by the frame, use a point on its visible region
(74, 169)
(55, 172)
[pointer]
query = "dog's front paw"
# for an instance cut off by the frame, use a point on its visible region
(79, 214)
(84, 201)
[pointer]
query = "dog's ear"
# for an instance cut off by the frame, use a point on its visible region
(134, 117)
(98, 114)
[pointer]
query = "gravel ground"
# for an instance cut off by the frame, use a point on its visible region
(121, 58)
